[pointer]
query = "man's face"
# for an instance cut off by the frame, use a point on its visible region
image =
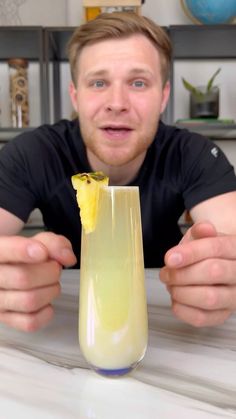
(119, 98)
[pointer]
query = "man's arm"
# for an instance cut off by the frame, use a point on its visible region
(200, 272)
(9, 223)
(220, 211)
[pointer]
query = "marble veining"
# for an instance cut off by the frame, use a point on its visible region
(186, 373)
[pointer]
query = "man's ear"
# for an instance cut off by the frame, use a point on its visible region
(165, 96)
(73, 95)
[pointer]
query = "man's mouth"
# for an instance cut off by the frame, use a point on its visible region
(117, 131)
(111, 129)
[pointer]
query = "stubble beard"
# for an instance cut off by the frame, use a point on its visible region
(116, 157)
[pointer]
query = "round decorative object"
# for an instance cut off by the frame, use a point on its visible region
(210, 12)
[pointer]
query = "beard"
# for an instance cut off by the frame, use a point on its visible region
(116, 154)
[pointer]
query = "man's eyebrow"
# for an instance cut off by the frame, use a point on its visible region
(132, 72)
(142, 71)
(96, 73)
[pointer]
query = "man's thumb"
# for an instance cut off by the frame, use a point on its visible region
(199, 231)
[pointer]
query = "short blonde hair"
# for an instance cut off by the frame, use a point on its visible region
(119, 25)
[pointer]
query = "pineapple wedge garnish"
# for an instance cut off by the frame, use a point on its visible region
(87, 186)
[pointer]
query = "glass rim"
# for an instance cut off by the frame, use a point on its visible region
(116, 187)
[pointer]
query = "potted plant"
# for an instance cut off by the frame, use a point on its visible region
(204, 100)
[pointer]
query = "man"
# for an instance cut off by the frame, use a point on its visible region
(119, 89)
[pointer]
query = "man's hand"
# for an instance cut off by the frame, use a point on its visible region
(30, 270)
(200, 275)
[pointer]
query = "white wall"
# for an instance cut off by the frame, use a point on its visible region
(33, 12)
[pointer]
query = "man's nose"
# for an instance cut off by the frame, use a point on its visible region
(117, 99)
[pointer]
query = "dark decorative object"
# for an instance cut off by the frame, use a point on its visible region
(204, 100)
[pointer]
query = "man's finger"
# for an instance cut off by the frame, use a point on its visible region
(24, 276)
(198, 317)
(206, 248)
(217, 297)
(59, 248)
(199, 231)
(17, 249)
(205, 272)
(28, 301)
(41, 247)
(27, 322)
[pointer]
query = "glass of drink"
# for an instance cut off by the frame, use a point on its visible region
(113, 326)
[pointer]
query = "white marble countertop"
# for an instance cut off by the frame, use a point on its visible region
(187, 373)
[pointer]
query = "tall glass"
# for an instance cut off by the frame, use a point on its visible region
(113, 326)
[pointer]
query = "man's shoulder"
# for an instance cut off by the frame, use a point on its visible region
(171, 132)
(62, 129)
(172, 139)
(59, 142)
(175, 149)
(61, 133)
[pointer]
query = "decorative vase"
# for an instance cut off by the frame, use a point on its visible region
(206, 104)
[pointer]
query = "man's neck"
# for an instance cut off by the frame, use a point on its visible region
(118, 175)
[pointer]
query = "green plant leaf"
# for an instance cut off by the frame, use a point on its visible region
(210, 82)
(191, 88)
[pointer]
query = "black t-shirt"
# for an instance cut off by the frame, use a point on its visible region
(180, 170)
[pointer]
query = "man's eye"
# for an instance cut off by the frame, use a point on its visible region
(138, 83)
(98, 83)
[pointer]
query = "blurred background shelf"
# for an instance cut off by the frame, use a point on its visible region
(211, 130)
(197, 45)
(8, 133)
(47, 47)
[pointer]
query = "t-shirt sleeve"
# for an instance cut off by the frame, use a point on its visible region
(206, 171)
(16, 192)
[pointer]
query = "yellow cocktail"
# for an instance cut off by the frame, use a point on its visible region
(112, 306)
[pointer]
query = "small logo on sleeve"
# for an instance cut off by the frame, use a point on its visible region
(215, 152)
